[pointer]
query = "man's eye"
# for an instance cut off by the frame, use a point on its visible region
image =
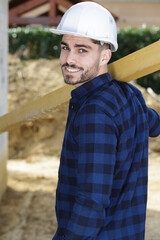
(64, 48)
(82, 50)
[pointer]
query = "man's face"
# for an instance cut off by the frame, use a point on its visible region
(79, 59)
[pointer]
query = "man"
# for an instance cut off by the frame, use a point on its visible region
(102, 185)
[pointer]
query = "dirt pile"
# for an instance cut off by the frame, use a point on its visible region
(27, 81)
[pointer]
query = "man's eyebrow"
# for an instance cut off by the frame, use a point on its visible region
(77, 45)
(83, 46)
(63, 43)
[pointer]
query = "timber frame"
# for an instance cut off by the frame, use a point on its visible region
(43, 12)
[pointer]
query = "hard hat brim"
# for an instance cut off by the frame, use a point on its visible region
(114, 46)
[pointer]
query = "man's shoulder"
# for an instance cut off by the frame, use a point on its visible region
(113, 97)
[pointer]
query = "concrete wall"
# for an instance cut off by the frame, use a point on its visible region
(3, 90)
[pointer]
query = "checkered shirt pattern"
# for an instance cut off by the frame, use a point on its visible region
(102, 187)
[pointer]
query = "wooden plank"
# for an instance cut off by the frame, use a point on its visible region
(36, 20)
(35, 109)
(38, 11)
(25, 7)
(135, 65)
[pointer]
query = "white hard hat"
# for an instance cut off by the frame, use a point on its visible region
(91, 20)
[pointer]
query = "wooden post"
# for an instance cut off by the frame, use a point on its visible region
(52, 11)
(3, 90)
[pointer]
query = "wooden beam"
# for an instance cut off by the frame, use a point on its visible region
(135, 65)
(36, 20)
(38, 11)
(53, 10)
(64, 3)
(25, 7)
(35, 109)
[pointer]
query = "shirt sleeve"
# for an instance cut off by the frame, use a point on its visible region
(97, 140)
(154, 123)
(153, 116)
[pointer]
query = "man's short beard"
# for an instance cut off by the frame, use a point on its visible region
(84, 77)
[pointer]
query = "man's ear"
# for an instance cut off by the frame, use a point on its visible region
(105, 56)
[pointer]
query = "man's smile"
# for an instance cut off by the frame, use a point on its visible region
(72, 70)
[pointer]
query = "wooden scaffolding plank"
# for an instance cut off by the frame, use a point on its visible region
(135, 65)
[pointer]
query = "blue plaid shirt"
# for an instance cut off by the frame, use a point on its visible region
(102, 187)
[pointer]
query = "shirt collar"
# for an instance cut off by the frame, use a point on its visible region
(88, 87)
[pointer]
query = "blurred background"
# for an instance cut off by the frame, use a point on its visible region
(29, 68)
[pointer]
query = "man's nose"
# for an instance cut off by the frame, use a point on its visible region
(71, 58)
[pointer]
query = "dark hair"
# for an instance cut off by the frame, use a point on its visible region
(105, 45)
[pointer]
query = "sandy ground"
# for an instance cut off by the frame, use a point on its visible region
(27, 208)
